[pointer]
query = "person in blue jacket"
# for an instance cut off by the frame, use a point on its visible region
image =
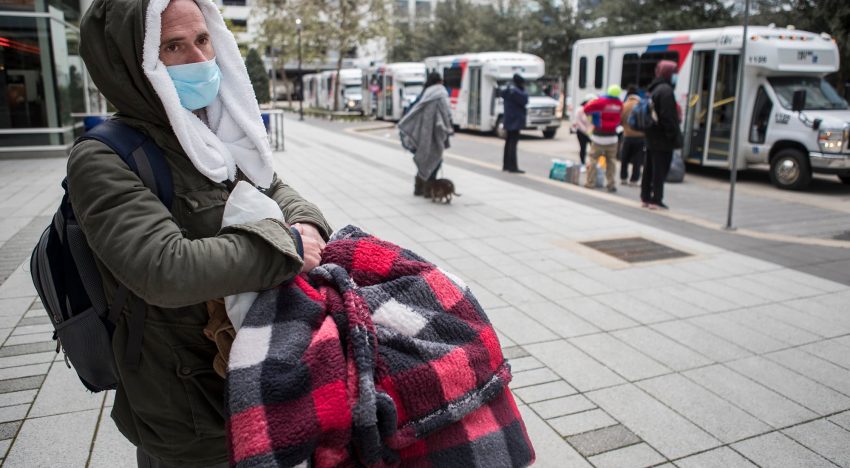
(515, 99)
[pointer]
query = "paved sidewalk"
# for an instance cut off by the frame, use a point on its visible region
(715, 359)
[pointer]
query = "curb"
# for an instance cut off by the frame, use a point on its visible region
(629, 203)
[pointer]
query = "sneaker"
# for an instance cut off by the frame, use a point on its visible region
(612, 189)
(624, 182)
(652, 206)
(644, 204)
(517, 171)
(662, 206)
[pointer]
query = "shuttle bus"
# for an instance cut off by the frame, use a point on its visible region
(792, 118)
(472, 81)
(400, 84)
(319, 90)
(310, 93)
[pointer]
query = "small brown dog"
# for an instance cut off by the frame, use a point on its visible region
(442, 190)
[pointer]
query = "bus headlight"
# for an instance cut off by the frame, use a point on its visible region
(831, 141)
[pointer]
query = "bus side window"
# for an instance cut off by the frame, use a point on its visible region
(761, 117)
(597, 78)
(648, 61)
(582, 72)
(631, 65)
(452, 77)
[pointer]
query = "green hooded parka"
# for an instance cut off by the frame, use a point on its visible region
(171, 406)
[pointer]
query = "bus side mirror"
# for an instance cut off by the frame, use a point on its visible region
(798, 103)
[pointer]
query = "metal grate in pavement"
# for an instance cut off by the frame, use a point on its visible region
(635, 249)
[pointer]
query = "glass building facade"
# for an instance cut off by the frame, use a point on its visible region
(44, 87)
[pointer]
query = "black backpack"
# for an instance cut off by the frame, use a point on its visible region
(66, 276)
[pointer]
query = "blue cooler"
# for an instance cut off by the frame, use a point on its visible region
(558, 170)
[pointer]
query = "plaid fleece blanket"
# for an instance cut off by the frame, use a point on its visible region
(378, 359)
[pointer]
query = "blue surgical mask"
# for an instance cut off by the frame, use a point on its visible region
(674, 79)
(197, 83)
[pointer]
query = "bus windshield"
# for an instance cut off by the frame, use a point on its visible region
(533, 88)
(352, 90)
(820, 95)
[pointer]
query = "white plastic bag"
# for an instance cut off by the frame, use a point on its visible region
(246, 205)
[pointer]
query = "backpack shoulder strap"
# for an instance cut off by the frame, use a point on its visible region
(145, 158)
(139, 152)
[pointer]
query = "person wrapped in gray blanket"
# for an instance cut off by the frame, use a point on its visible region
(425, 132)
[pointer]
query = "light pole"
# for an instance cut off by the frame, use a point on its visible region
(736, 131)
(300, 78)
(274, 77)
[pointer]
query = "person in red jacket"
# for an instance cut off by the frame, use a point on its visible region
(604, 112)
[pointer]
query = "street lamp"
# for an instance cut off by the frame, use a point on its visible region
(300, 77)
(736, 131)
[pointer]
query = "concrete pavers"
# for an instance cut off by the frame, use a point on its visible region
(717, 416)
(780, 451)
(714, 360)
(829, 440)
(657, 424)
(722, 457)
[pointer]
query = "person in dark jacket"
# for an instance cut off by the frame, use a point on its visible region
(662, 138)
(515, 99)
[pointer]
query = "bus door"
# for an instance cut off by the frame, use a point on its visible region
(389, 94)
(474, 108)
(716, 117)
(380, 101)
(723, 110)
(697, 112)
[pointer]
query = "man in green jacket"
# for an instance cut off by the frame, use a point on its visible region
(173, 71)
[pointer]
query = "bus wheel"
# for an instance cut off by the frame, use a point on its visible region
(790, 170)
(500, 131)
(549, 134)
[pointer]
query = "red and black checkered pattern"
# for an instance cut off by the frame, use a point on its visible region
(378, 359)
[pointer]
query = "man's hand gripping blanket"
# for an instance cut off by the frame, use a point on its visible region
(378, 359)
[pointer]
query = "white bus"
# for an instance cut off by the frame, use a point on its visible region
(310, 92)
(399, 84)
(319, 89)
(793, 119)
(472, 80)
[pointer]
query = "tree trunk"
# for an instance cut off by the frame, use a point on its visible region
(343, 34)
(288, 90)
(336, 82)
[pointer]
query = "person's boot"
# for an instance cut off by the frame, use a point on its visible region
(427, 188)
(418, 187)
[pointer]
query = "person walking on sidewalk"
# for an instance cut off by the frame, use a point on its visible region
(633, 150)
(174, 72)
(605, 113)
(661, 138)
(425, 132)
(515, 99)
(583, 128)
